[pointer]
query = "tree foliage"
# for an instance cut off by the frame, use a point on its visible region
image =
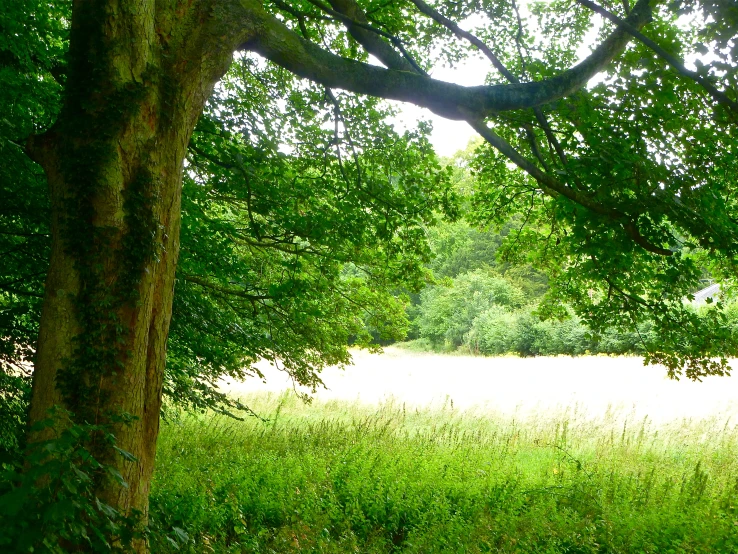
(447, 313)
(626, 188)
(302, 211)
(643, 161)
(295, 235)
(32, 44)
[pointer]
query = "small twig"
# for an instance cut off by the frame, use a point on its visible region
(16, 234)
(222, 289)
(19, 292)
(519, 38)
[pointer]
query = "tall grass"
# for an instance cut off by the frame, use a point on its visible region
(341, 477)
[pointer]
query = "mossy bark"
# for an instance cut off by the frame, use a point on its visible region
(138, 79)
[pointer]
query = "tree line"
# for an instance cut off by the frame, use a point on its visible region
(479, 304)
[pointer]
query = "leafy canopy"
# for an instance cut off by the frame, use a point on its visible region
(302, 212)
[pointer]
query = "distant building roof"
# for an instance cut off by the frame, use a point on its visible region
(701, 296)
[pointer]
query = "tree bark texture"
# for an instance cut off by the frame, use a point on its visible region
(139, 76)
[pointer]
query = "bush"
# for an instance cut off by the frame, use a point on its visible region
(48, 503)
(569, 337)
(446, 314)
(498, 331)
(624, 342)
(491, 334)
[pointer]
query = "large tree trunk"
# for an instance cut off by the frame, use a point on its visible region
(122, 373)
(138, 78)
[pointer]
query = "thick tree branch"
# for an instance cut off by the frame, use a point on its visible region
(285, 7)
(482, 47)
(551, 186)
(282, 46)
(286, 48)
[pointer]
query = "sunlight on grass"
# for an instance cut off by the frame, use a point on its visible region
(512, 385)
(342, 477)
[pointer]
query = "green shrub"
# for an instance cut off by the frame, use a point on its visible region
(492, 333)
(15, 394)
(569, 337)
(624, 342)
(446, 314)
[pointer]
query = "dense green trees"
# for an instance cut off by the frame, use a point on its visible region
(447, 314)
(461, 311)
(290, 201)
(483, 305)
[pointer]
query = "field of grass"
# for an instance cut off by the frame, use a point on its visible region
(340, 477)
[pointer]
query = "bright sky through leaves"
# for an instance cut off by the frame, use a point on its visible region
(448, 137)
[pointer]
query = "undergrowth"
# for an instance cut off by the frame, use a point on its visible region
(339, 477)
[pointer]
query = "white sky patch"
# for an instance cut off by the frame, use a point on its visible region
(448, 137)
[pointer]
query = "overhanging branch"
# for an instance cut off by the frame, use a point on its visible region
(499, 66)
(286, 48)
(553, 187)
(230, 291)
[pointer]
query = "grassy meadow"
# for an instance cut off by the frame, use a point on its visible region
(340, 477)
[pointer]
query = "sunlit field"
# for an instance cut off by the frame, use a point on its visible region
(512, 385)
(416, 453)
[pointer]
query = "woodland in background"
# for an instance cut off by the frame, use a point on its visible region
(479, 303)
